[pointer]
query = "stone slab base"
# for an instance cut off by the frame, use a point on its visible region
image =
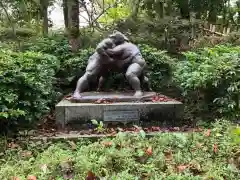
(166, 112)
(91, 97)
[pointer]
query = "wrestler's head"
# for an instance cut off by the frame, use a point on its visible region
(118, 37)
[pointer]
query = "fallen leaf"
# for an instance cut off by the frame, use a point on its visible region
(154, 128)
(168, 155)
(181, 168)
(208, 133)
(112, 129)
(73, 145)
(99, 101)
(198, 130)
(107, 144)
(198, 145)
(154, 99)
(215, 148)
(16, 178)
(149, 151)
(26, 154)
(90, 176)
(113, 133)
(176, 129)
(31, 177)
(12, 145)
(160, 99)
(130, 129)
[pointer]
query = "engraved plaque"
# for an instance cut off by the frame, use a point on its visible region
(117, 115)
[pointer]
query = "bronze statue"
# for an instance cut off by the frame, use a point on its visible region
(114, 53)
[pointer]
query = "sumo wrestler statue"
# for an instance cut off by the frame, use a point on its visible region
(114, 53)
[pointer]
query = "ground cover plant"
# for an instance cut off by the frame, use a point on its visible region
(210, 154)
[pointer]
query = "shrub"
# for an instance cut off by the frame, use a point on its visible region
(56, 45)
(26, 89)
(159, 68)
(7, 33)
(211, 77)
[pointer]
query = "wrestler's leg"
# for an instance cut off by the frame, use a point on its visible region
(133, 72)
(146, 80)
(82, 84)
(101, 82)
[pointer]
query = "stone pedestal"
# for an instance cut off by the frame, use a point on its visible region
(132, 109)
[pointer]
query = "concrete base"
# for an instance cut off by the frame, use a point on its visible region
(165, 112)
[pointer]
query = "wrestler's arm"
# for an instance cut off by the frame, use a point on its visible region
(118, 50)
(128, 59)
(101, 49)
(134, 51)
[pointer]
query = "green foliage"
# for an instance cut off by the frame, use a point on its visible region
(173, 156)
(167, 33)
(120, 11)
(57, 45)
(26, 89)
(99, 125)
(212, 77)
(159, 68)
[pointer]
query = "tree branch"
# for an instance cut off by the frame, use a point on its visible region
(91, 19)
(104, 10)
(11, 23)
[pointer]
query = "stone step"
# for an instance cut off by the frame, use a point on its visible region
(96, 136)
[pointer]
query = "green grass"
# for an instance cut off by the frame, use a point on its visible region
(174, 156)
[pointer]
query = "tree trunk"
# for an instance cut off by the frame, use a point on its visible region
(160, 9)
(65, 14)
(184, 8)
(238, 19)
(44, 16)
(212, 16)
(168, 9)
(73, 24)
(149, 7)
(198, 15)
(135, 9)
